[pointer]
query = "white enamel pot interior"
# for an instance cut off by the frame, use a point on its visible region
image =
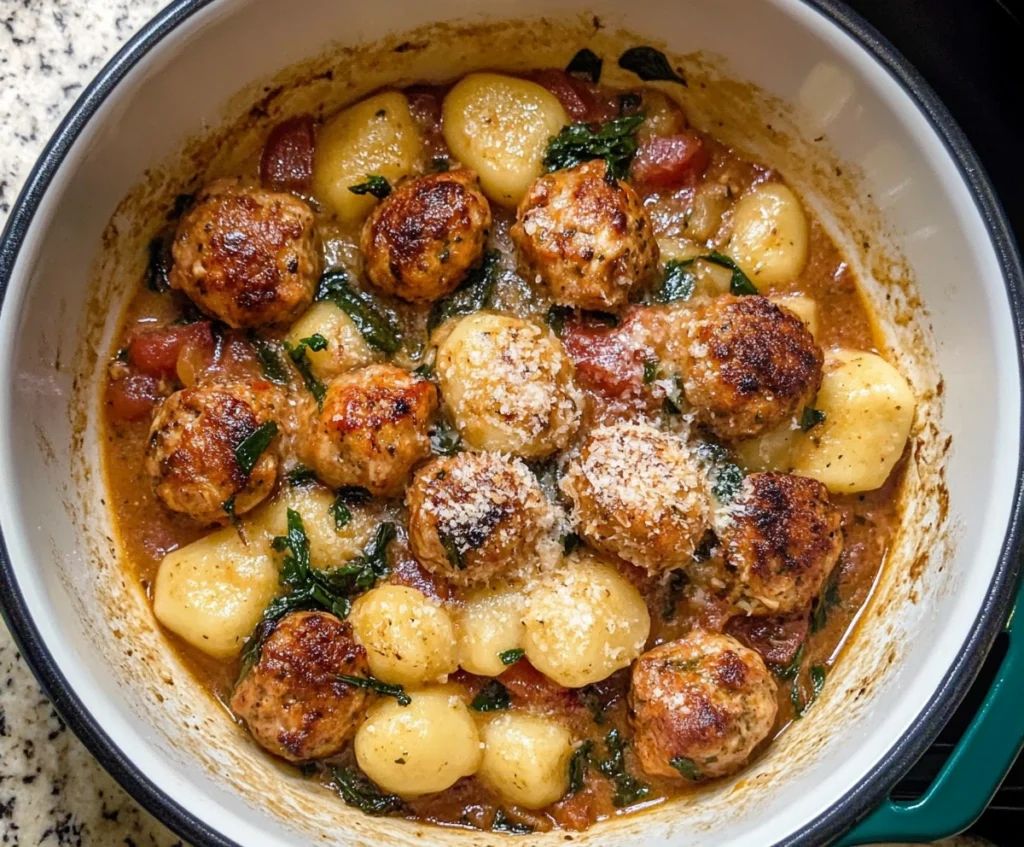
(907, 180)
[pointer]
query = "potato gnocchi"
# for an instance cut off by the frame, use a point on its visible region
(496, 428)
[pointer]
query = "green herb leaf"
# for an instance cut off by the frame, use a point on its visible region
(441, 164)
(725, 476)
(829, 599)
(472, 295)
(790, 670)
(341, 513)
(250, 448)
(444, 439)
(678, 282)
(502, 823)
(371, 683)
(628, 789)
(687, 767)
(614, 141)
(810, 418)
(650, 370)
(649, 64)
(556, 317)
(270, 362)
(451, 550)
(301, 361)
(578, 765)
(571, 542)
(591, 699)
(158, 270)
(123, 355)
(817, 675)
(676, 583)
(585, 64)
(357, 790)
(300, 475)
(510, 657)
(373, 323)
(375, 184)
(493, 697)
(629, 102)
(315, 342)
(740, 283)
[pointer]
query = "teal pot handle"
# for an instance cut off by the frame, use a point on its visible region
(972, 774)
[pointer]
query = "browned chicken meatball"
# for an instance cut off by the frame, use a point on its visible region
(783, 536)
(749, 366)
(591, 241)
(191, 450)
(372, 429)
(421, 241)
(475, 515)
(292, 700)
(247, 256)
(638, 493)
(699, 706)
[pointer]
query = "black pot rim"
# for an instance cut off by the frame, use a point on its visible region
(871, 788)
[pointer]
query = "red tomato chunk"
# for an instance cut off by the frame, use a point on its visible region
(670, 161)
(287, 160)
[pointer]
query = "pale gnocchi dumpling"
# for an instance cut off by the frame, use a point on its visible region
(584, 622)
(213, 591)
(376, 136)
(508, 385)
(770, 235)
(869, 409)
(500, 126)
(420, 748)
(346, 348)
(805, 308)
(526, 759)
(772, 451)
(330, 545)
(409, 638)
(489, 622)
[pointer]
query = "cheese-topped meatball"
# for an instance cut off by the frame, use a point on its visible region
(191, 453)
(783, 536)
(589, 239)
(247, 256)
(421, 240)
(475, 515)
(639, 493)
(292, 700)
(372, 429)
(508, 385)
(749, 365)
(699, 706)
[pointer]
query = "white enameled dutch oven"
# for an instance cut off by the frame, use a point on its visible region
(805, 86)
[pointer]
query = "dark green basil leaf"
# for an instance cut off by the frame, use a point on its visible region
(375, 184)
(810, 418)
(510, 657)
(678, 282)
(614, 141)
(250, 448)
(556, 317)
(650, 371)
(829, 599)
(441, 164)
(357, 790)
(650, 65)
(270, 362)
(740, 283)
(586, 64)
(371, 683)
(158, 270)
(687, 768)
(472, 295)
(578, 765)
(373, 323)
(493, 697)
(502, 823)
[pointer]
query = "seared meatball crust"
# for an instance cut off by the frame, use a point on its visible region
(638, 493)
(749, 366)
(473, 516)
(292, 700)
(783, 536)
(192, 442)
(372, 429)
(247, 256)
(703, 702)
(591, 241)
(420, 241)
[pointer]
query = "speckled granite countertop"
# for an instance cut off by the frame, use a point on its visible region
(52, 792)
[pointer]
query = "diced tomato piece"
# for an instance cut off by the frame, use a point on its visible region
(607, 361)
(670, 161)
(154, 352)
(529, 687)
(133, 398)
(287, 160)
(776, 638)
(583, 100)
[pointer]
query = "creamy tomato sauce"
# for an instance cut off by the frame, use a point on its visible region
(688, 186)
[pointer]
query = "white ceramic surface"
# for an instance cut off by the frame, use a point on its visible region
(90, 616)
